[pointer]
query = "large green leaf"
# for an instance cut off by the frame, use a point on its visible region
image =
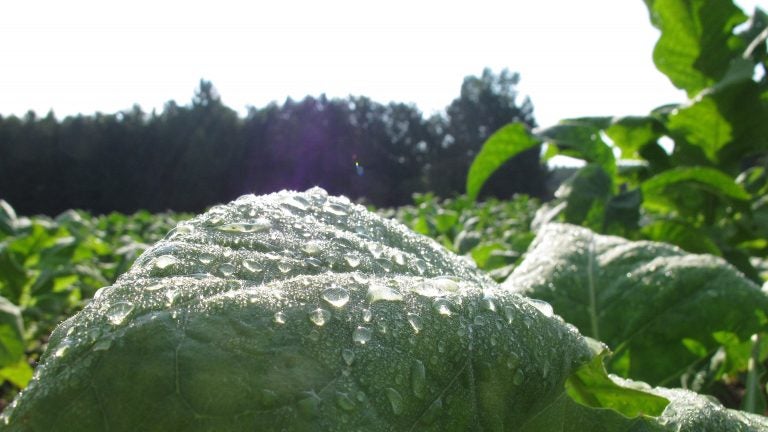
(504, 144)
(697, 40)
(655, 305)
(681, 189)
(299, 312)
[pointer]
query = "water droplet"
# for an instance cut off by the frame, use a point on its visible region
(357, 277)
(284, 267)
(279, 318)
(479, 320)
(314, 335)
(381, 326)
(252, 266)
(488, 303)
(257, 225)
(344, 401)
(518, 378)
(337, 209)
(171, 296)
(442, 306)
(180, 230)
(102, 344)
(367, 315)
(432, 413)
(362, 335)
(361, 396)
(428, 289)
(421, 266)
(398, 258)
(415, 322)
(378, 292)
(348, 355)
(296, 202)
(118, 312)
(395, 400)
(509, 314)
(312, 248)
(352, 260)
(62, 349)
(227, 269)
(309, 407)
(100, 292)
(164, 261)
(320, 316)
(318, 195)
(543, 307)
(419, 379)
(441, 346)
(206, 258)
(336, 296)
(375, 249)
(513, 360)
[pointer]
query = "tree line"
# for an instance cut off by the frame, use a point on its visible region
(186, 158)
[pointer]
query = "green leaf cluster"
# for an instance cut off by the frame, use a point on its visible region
(691, 174)
(50, 267)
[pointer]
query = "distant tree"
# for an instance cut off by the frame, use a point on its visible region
(485, 104)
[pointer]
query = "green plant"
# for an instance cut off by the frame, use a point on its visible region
(300, 311)
(706, 191)
(50, 267)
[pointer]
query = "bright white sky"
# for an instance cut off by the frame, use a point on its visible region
(576, 58)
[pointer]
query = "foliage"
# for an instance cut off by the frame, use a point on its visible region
(494, 234)
(302, 311)
(50, 267)
(712, 180)
(693, 175)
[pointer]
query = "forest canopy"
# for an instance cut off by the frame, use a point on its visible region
(186, 158)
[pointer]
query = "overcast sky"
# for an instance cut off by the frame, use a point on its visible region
(591, 57)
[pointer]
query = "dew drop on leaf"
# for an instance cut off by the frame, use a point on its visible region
(415, 321)
(320, 316)
(311, 248)
(488, 303)
(509, 314)
(377, 292)
(418, 379)
(348, 355)
(284, 267)
(375, 249)
(367, 315)
(344, 402)
(205, 258)
(421, 266)
(543, 307)
(227, 269)
(118, 312)
(164, 261)
(395, 400)
(252, 266)
(279, 318)
(361, 335)
(517, 379)
(102, 344)
(336, 296)
(353, 261)
(442, 306)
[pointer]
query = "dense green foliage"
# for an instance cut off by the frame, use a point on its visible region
(693, 175)
(707, 192)
(50, 267)
(306, 312)
(187, 158)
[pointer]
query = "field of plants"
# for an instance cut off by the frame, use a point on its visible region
(650, 264)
